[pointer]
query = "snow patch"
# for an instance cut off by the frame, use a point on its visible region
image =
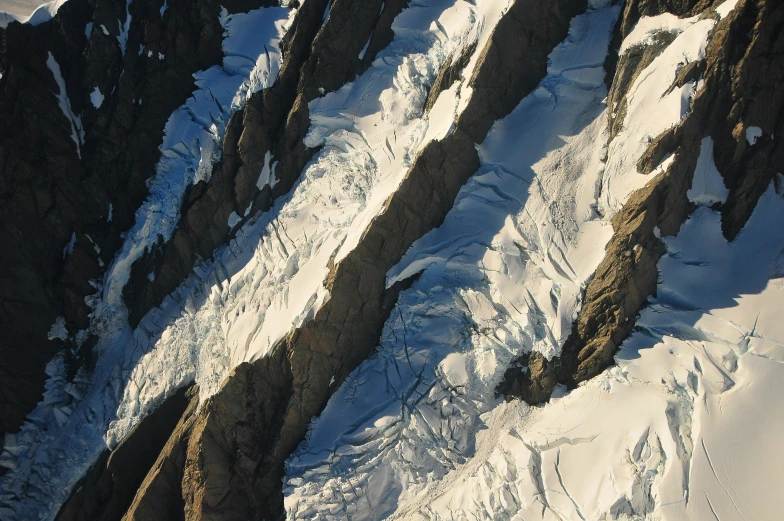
(753, 134)
(650, 108)
(233, 220)
(70, 246)
(726, 7)
(707, 186)
(647, 27)
(267, 175)
(58, 330)
(77, 132)
(96, 98)
(122, 36)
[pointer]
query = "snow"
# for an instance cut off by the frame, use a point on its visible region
(122, 36)
(269, 279)
(753, 134)
(647, 27)
(234, 219)
(401, 129)
(365, 48)
(675, 431)
(650, 109)
(267, 175)
(726, 7)
(77, 132)
(502, 275)
(416, 432)
(70, 246)
(682, 428)
(28, 11)
(58, 330)
(96, 98)
(707, 185)
(65, 433)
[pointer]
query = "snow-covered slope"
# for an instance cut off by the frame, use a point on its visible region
(681, 429)
(28, 11)
(684, 426)
(501, 276)
(270, 278)
(417, 432)
(65, 433)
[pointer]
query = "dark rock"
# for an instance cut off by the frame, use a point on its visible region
(107, 490)
(51, 191)
(160, 494)
(449, 73)
(531, 377)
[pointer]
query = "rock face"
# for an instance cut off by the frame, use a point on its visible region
(107, 491)
(742, 74)
(73, 168)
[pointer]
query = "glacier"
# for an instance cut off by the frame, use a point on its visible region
(417, 431)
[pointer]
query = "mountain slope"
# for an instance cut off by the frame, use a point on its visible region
(320, 268)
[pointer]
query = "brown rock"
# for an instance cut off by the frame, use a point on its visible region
(107, 490)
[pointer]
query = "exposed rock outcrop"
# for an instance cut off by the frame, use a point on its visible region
(743, 85)
(448, 75)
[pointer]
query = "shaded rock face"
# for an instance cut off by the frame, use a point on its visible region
(744, 86)
(70, 184)
(106, 492)
(243, 434)
(159, 496)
